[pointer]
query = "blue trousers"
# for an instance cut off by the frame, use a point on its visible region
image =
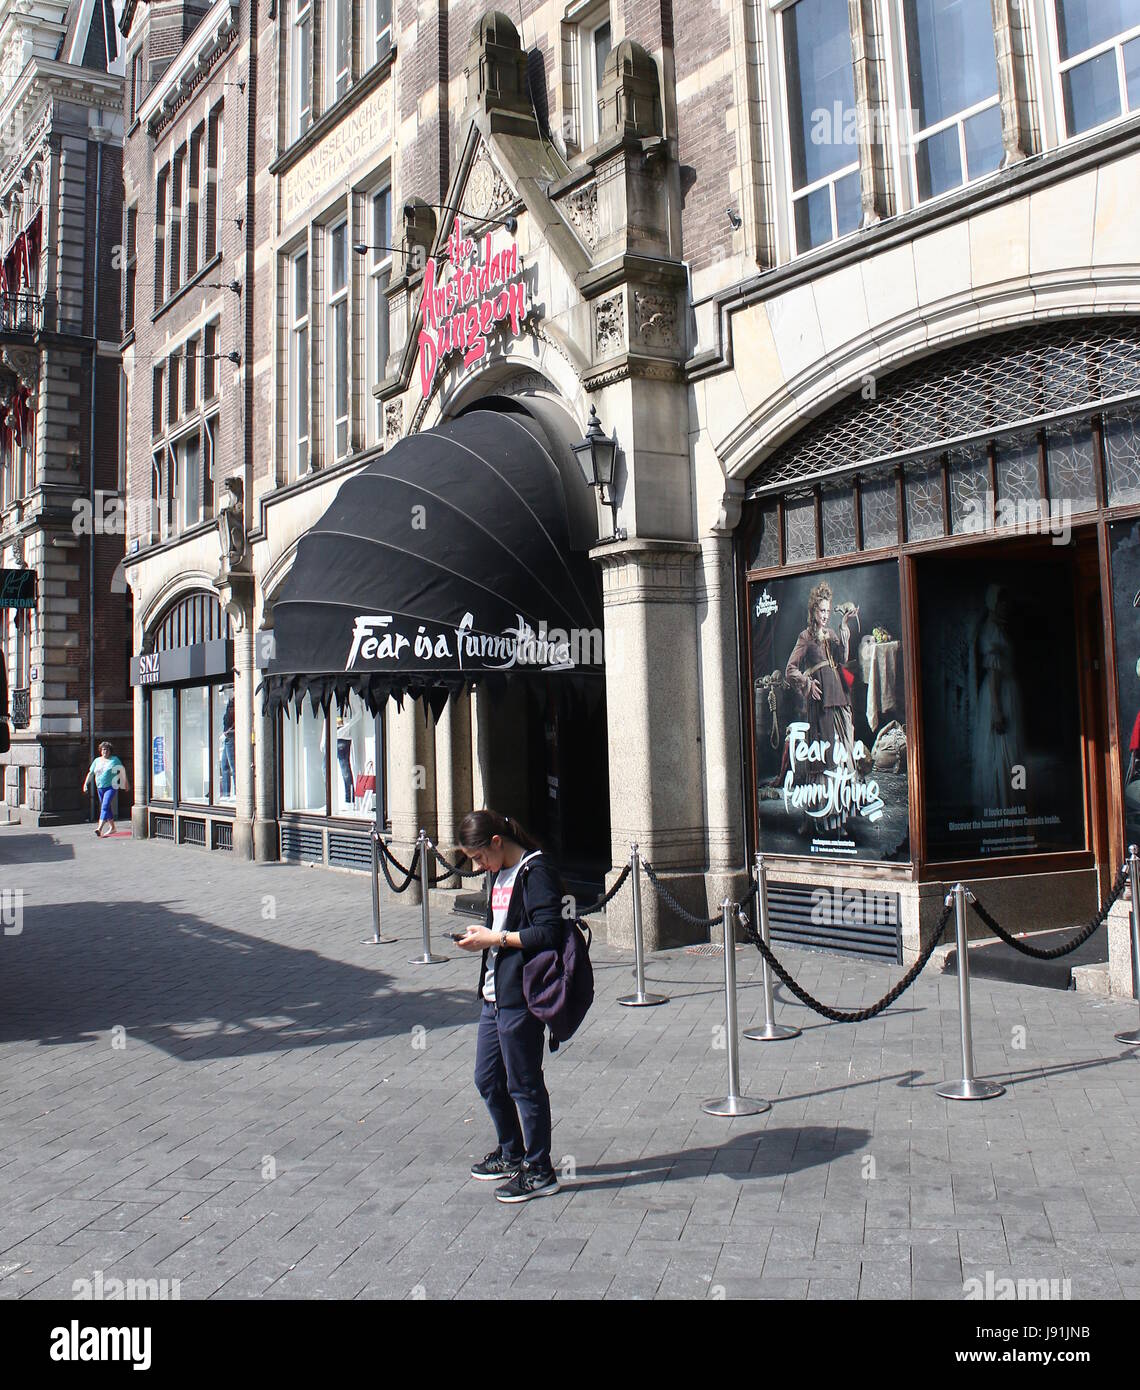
(508, 1075)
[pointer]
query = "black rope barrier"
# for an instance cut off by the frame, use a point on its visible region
(606, 897)
(1055, 952)
(844, 1015)
(385, 855)
(670, 901)
(453, 870)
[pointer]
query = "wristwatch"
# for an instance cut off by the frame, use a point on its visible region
(502, 935)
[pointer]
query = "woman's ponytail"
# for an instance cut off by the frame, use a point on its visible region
(478, 829)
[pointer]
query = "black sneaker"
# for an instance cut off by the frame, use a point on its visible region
(528, 1183)
(495, 1166)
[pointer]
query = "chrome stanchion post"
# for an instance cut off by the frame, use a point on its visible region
(771, 1031)
(376, 939)
(969, 1088)
(1133, 1039)
(425, 906)
(639, 999)
(734, 1103)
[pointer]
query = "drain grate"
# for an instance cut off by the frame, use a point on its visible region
(709, 950)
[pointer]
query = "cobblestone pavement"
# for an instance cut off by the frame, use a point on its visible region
(205, 1076)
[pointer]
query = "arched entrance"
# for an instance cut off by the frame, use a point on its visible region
(543, 750)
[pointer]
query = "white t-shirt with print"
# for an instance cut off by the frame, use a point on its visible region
(501, 891)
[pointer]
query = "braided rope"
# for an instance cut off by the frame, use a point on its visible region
(844, 1015)
(670, 901)
(453, 870)
(1055, 952)
(412, 873)
(607, 897)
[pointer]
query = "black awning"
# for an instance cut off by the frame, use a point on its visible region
(445, 562)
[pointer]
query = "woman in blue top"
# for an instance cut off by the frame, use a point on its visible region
(109, 774)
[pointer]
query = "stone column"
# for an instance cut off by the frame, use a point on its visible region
(1019, 133)
(453, 771)
(245, 678)
(411, 784)
(266, 839)
(478, 719)
(654, 718)
(871, 110)
(720, 716)
(140, 772)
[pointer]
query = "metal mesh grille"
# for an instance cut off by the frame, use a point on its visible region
(162, 827)
(223, 835)
(977, 388)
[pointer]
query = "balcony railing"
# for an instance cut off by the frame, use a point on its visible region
(21, 313)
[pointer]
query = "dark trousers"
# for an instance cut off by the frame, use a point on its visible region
(508, 1075)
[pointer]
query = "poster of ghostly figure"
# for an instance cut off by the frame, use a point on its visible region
(1000, 707)
(829, 714)
(1124, 548)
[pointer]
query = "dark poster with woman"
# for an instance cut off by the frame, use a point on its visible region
(1000, 708)
(1124, 549)
(828, 704)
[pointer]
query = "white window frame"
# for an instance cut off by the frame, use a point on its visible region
(337, 303)
(906, 138)
(588, 90)
(180, 490)
(380, 35)
(1058, 67)
(300, 117)
(298, 368)
(782, 147)
(376, 305)
(337, 80)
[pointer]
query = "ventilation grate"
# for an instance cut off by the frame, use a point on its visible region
(192, 832)
(303, 843)
(863, 924)
(162, 827)
(350, 851)
(223, 834)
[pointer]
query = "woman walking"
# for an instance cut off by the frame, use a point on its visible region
(525, 917)
(109, 774)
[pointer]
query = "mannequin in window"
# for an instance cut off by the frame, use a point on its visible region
(346, 720)
(228, 777)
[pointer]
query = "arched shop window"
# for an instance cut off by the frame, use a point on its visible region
(189, 669)
(923, 570)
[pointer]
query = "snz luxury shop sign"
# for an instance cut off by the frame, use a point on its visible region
(461, 312)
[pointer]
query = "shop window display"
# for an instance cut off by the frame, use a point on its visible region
(194, 744)
(162, 745)
(1124, 544)
(354, 760)
(1000, 707)
(303, 760)
(829, 702)
(225, 768)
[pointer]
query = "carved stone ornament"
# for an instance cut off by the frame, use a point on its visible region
(393, 422)
(231, 527)
(609, 326)
(656, 319)
(24, 362)
(488, 192)
(581, 209)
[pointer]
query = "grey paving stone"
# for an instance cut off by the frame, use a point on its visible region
(285, 1039)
